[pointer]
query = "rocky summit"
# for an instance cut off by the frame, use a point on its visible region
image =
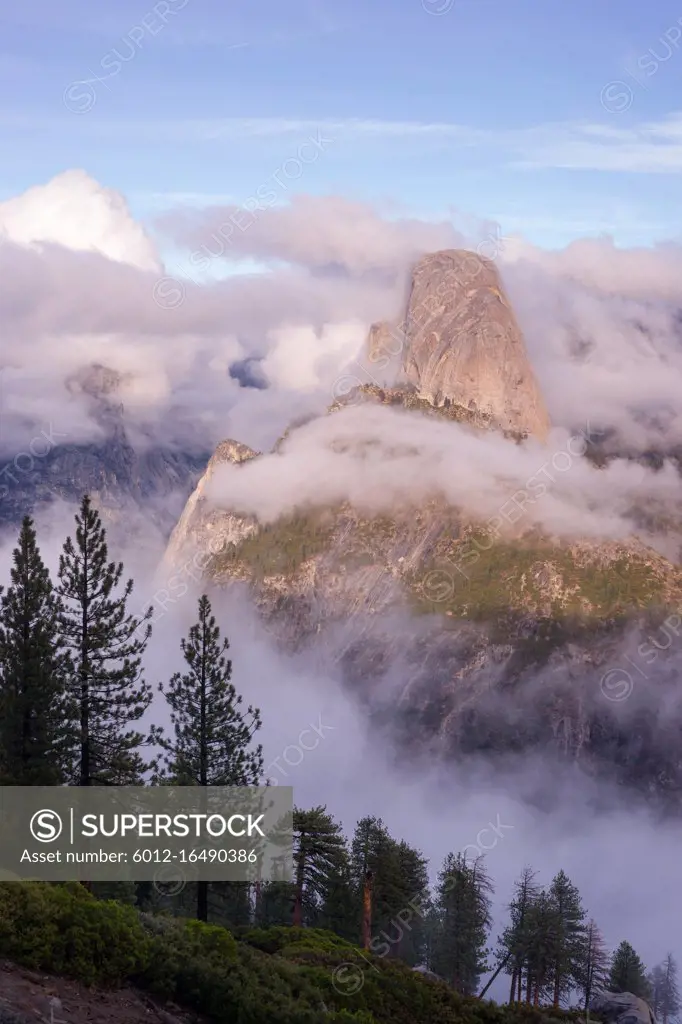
(537, 646)
(462, 346)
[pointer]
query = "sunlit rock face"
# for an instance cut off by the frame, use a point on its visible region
(464, 347)
(202, 528)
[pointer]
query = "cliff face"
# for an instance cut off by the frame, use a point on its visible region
(461, 345)
(536, 649)
(202, 528)
(532, 647)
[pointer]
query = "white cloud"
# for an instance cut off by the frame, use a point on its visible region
(380, 459)
(301, 357)
(77, 212)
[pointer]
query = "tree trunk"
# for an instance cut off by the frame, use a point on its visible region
(512, 993)
(85, 765)
(498, 971)
(557, 986)
(257, 896)
(298, 898)
(202, 901)
(528, 987)
(202, 887)
(367, 909)
(536, 994)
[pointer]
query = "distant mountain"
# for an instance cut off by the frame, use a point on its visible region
(459, 641)
(118, 475)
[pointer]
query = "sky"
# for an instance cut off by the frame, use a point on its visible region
(555, 120)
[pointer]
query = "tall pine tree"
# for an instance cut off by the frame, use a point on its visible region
(410, 921)
(337, 905)
(628, 973)
(514, 942)
(211, 745)
(375, 871)
(37, 716)
(540, 947)
(319, 853)
(463, 900)
(655, 982)
(568, 936)
(106, 644)
(669, 993)
(593, 968)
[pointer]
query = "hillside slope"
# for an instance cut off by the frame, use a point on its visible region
(131, 961)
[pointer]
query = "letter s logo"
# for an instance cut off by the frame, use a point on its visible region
(46, 826)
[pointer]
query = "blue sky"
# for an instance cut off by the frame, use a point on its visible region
(502, 109)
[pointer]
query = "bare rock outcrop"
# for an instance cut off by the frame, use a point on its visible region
(622, 1008)
(203, 529)
(462, 346)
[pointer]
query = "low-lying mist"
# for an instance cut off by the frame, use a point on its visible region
(318, 737)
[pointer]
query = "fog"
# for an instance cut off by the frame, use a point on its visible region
(317, 739)
(603, 333)
(380, 459)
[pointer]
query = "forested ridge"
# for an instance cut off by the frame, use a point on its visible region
(73, 692)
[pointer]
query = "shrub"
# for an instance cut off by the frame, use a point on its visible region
(64, 930)
(252, 976)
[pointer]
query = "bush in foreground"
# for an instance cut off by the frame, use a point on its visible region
(254, 976)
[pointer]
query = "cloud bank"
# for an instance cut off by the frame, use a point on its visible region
(602, 325)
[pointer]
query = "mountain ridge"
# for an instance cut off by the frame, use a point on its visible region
(396, 595)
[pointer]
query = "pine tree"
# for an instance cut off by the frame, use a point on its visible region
(337, 906)
(593, 968)
(319, 848)
(655, 982)
(375, 871)
(669, 994)
(394, 923)
(415, 904)
(103, 641)
(463, 901)
(627, 973)
(37, 718)
(568, 937)
(432, 936)
(212, 735)
(540, 948)
(231, 903)
(515, 939)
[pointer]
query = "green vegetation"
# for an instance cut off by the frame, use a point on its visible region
(490, 580)
(470, 574)
(628, 973)
(279, 548)
(254, 976)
